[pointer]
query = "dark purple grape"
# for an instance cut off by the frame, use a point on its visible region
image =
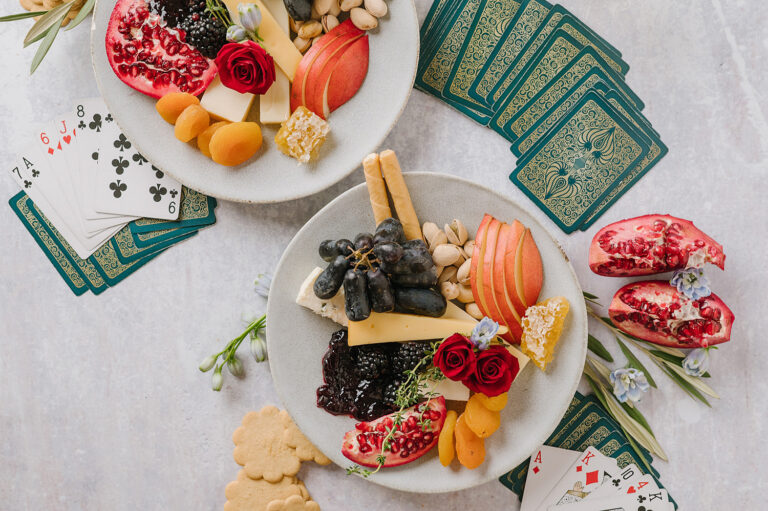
(330, 280)
(424, 302)
(356, 302)
(389, 229)
(364, 241)
(328, 250)
(380, 291)
(424, 279)
(388, 253)
(416, 259)
(345, 247)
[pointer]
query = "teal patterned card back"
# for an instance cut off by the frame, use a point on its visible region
(579, 161)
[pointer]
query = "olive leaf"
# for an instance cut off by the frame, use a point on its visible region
(686, 386)
(21, 16)
(596, 347)
(695, 382)
(85, 10)
(42, 27)
(633, 362)
(42, 50)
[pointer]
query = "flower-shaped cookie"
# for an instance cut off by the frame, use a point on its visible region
(293, 503)
(246, 494)
(260, 448)
(305, 450)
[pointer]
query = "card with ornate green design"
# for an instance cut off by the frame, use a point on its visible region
(579, 161)
(108, 264)
(530, 15)
(67, 270)
(489, 24)
(657, 151)
(128, 252)
(558, 19)
(196, 208)
(148, 239)
(434, 25)
(559, 51)
(437, 67)
(559, 95)
(88, 271)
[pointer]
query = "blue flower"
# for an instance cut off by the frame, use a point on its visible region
(696, 363)
(236, 34)
(691, 282)
(483, 333)
(263, 282)
(629, 384)
(250, 17)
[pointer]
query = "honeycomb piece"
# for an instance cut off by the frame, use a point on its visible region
(542, 326)
(302, 135)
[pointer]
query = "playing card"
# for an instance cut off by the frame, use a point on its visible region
(579, 161)
(620, 502)
(548, 465)
(617, 483)
(197, 210)
(582, 477)
(124, 244)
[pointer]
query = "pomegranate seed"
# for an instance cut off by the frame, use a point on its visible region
(365, 448)
(404, 454)
(394, 448)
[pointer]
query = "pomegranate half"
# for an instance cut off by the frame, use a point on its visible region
(410, 441)
(654, 310)
(651, 244)
(151, 57)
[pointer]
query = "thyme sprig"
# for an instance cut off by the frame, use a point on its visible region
(410, 392)
(218, 10)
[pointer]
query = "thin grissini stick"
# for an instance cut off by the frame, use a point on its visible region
(377, 189)
(393, 175)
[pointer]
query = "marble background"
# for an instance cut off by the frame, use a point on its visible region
(102, 405)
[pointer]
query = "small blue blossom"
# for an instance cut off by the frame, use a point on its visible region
(236, 34)
(629, 384)
(250, 17)
(696, 363)
(483, 333)
(263, 282)
(691, 282)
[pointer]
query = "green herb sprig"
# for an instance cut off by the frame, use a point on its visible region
(219, 11)
(410, 392)
(229, 354)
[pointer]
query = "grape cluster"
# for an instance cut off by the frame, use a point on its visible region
(381, 272)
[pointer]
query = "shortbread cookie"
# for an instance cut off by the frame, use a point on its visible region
(260, 448)
(246, 494)
(294, 503)
(305, 450)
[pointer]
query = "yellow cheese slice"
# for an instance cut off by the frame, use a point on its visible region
(275, 104)
(225, 104)
(275, 40)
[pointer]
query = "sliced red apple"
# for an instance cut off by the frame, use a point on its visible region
(347, 77)
(298, 88)
(476, 268)
(321, 71)
(494, 227)
(512, 253)
(503, 300)
(530, 269)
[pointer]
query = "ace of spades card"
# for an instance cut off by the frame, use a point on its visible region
(125, 182)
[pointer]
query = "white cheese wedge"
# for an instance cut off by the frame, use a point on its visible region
(450, 390)
(332, 309)
(226, 104)
(275, 104)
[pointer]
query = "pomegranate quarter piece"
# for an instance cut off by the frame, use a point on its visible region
(410, 441)
(651, 244)
(655, 311)
(151, 57)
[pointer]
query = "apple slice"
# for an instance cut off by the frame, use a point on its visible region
(347, 77)
(503, 300)
(322, 69)
(529, 270)
(511, 258)
(476, 268)
(298, 88)
(491, 240)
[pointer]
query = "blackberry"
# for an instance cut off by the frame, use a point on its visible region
(204, 32)
(390, 391)
(372, 362)
(407, 356)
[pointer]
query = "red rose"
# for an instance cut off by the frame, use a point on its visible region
(495, 369)
(455, 358)
(246, 67)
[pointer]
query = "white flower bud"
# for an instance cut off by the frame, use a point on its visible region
(250, 16)
(207, 364)
(236, 367)
(258, 348)
(217, 380)
(236, 34)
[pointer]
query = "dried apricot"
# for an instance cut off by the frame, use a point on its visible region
(204, 138)
(445, 442)
(192, 121)
(482, 421)
(542, 326)
(470, 448)
(495, 403)
(235, 143)
(172, 104)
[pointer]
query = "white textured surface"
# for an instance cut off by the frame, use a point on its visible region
(102, 405)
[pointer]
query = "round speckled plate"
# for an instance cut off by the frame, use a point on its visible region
(357, 128)
(297, 338)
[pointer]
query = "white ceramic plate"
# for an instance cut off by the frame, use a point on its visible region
(297, 338)
(357, 128)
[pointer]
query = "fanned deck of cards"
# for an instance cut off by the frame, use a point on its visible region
(96, 207)
(588, 464)
(545, 81)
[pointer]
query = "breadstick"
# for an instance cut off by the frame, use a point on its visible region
(377, 190)
(390, 168)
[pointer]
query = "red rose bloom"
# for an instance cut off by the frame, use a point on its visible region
(455, 358)
(495, 369)
(246, 67)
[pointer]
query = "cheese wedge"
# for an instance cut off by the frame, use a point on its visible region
(450, 390)
(274, 39)
(225, 104)
(396, 327)
(275, 104)
(332, 309)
